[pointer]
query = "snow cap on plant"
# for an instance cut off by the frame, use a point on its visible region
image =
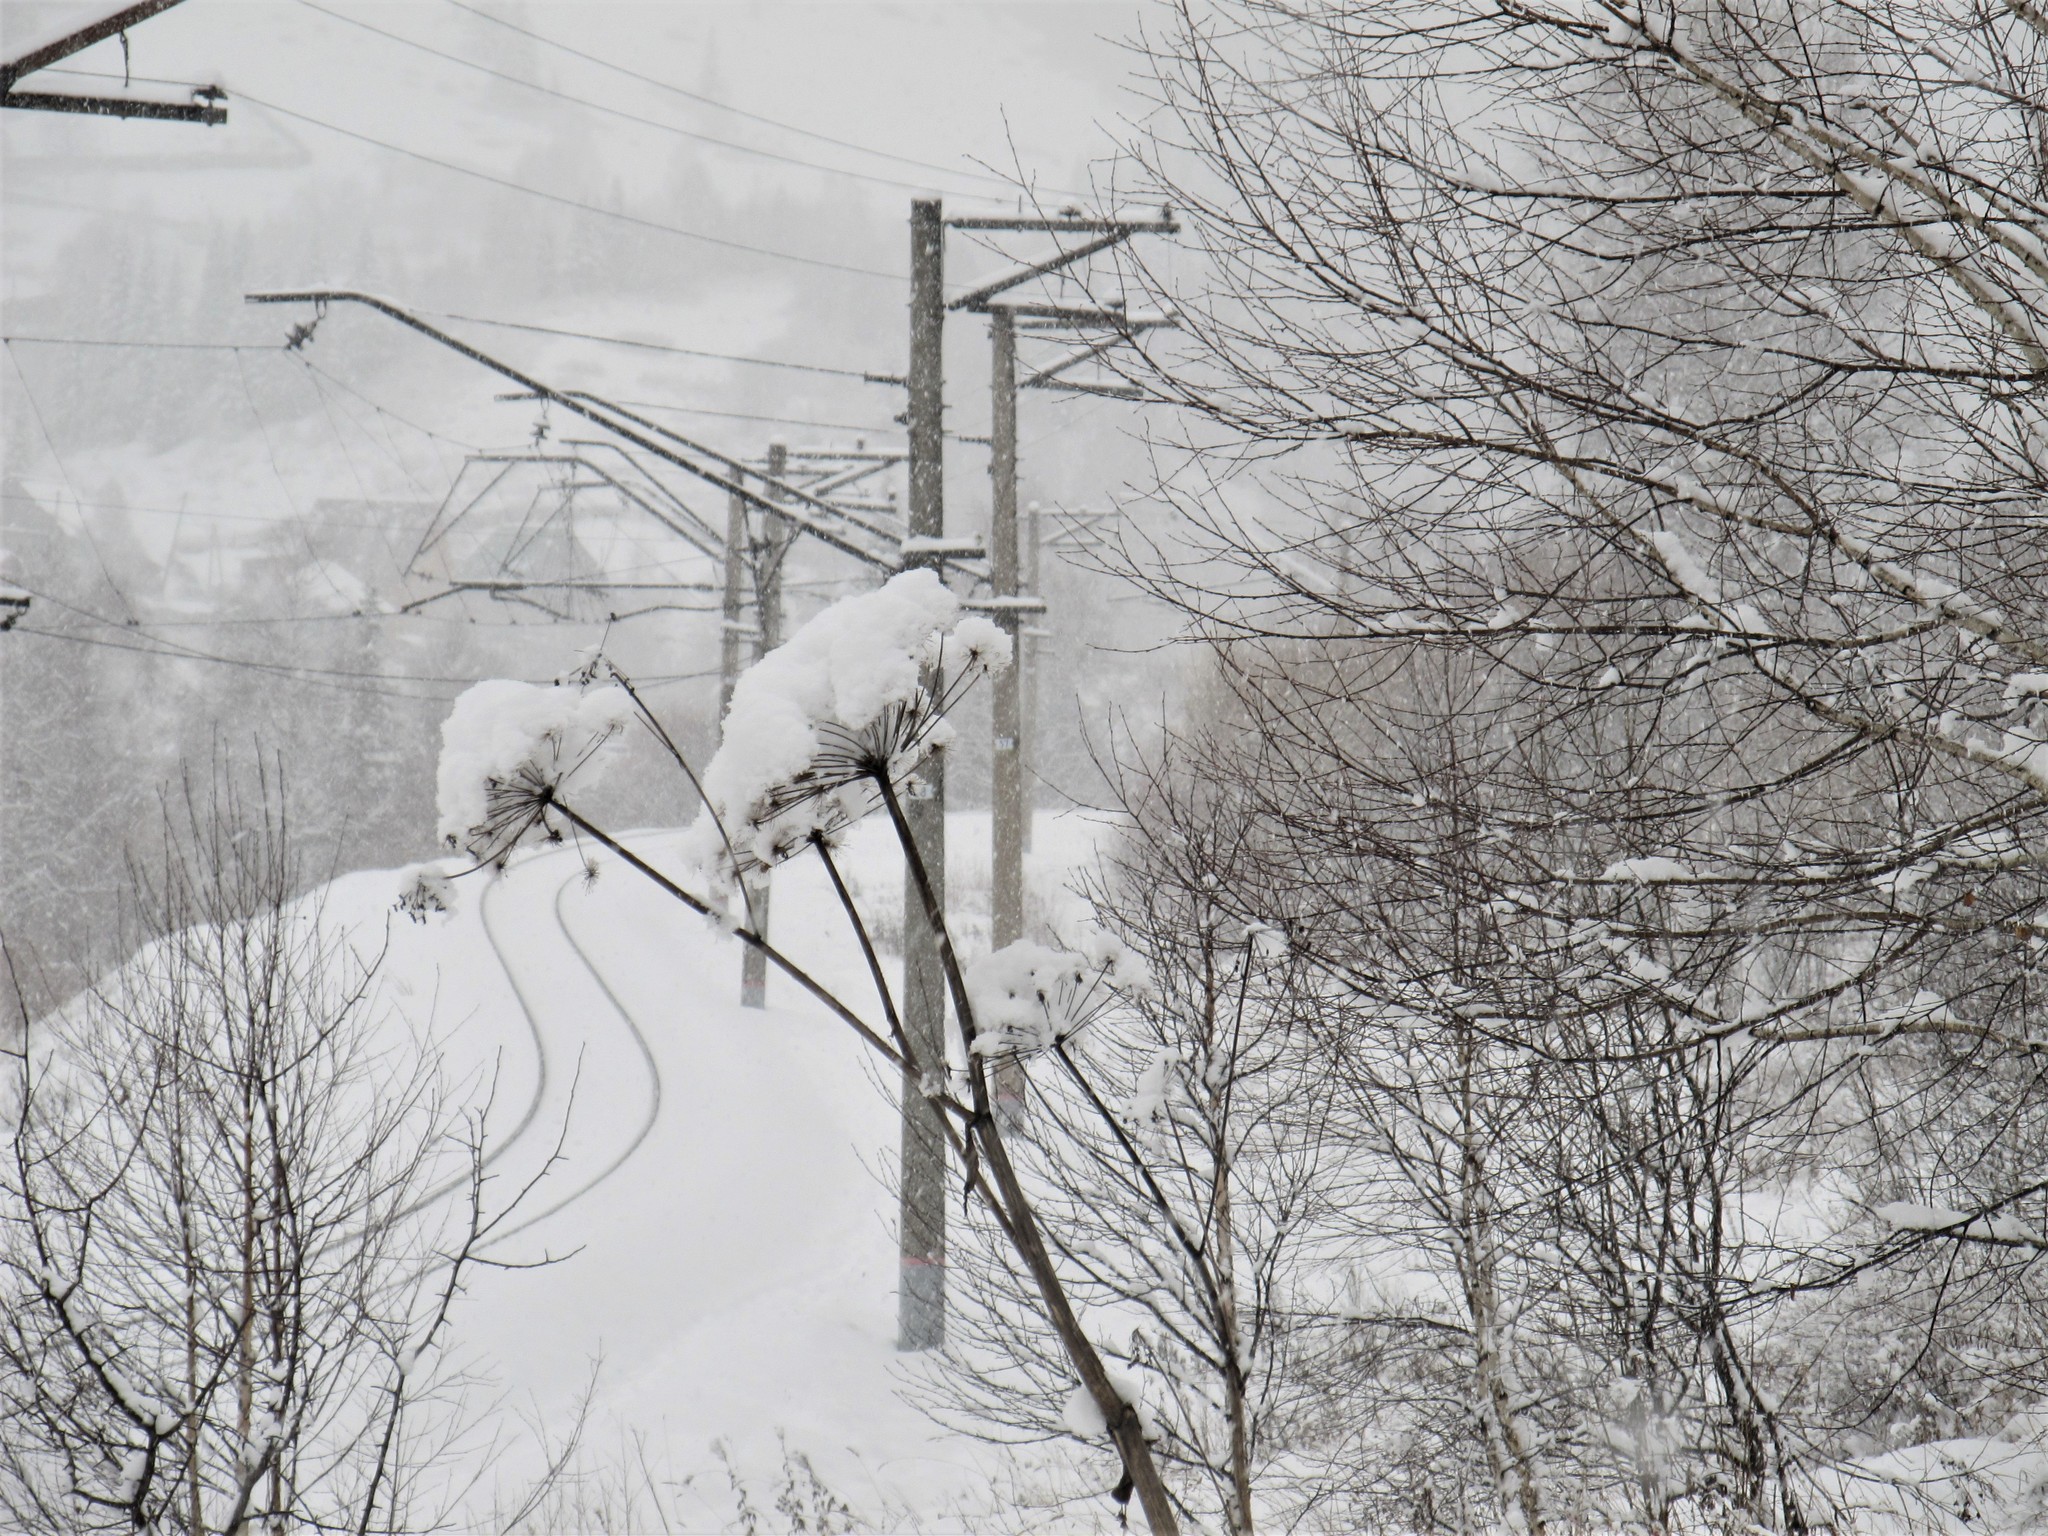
(1027, 997)
(424, 889)
(506, 750)
(1121, 966)
(815, 722)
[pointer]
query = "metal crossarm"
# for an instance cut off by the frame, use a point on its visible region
(202, 110)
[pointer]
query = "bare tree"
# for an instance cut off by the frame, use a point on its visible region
(236, 1217)
(1175, 1138)
(1615, 447)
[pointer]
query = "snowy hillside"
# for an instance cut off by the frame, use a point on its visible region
(721, 1203)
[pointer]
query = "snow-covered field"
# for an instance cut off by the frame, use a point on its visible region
(722, 1205)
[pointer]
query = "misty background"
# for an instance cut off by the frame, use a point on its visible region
(220, 534)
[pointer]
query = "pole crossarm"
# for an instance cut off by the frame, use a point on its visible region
(852, 475)
(943, 552)
(1073, 359)
(12, 72)
(1122, 327)
(979, 299)
(633, 429)
(115, 106)
(1003, 605)
(1107, 232)
(1092, 316)
(827, 482)
(881, 458)
(521, 584)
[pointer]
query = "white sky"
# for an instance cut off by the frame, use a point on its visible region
(955, 85)
(1043, 86)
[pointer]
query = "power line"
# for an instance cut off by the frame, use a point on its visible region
(232, 346)
(103, 74)
(634, 117)
(666, 680)
(169, 655)
(656, 346)
(786, 421)
(172, 650)
(752, 117)
(381, 410)
(516, 325)
(50, 442)
(570, 202)
(176, 650)
(278, 519)
(168, 346)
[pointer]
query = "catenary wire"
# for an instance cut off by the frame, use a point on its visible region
(754, 117)
(652, 346)
(279, 520)
(634, 117)
(43, 426)
(151, 344)
(173, 650)
(570, 202)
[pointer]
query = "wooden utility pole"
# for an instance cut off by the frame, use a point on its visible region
(921, 1232)
(1007, 769)
(1028, 636)
(1011, 607)
(1008, 811)
(733, 628)
(921, 1224)
(768, 551)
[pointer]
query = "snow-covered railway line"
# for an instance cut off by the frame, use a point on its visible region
(509, 1151)
(494, 1155)
(646, 1053)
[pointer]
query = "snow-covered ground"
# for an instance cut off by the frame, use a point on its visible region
(722, 1205)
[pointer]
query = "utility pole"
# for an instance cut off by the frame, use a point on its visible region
(1026, 664)
(1007, 912)
(921, 1218)
(733, 627)
(768, 551)
(921, 1231)
(1102, 327)
(1008, 811)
